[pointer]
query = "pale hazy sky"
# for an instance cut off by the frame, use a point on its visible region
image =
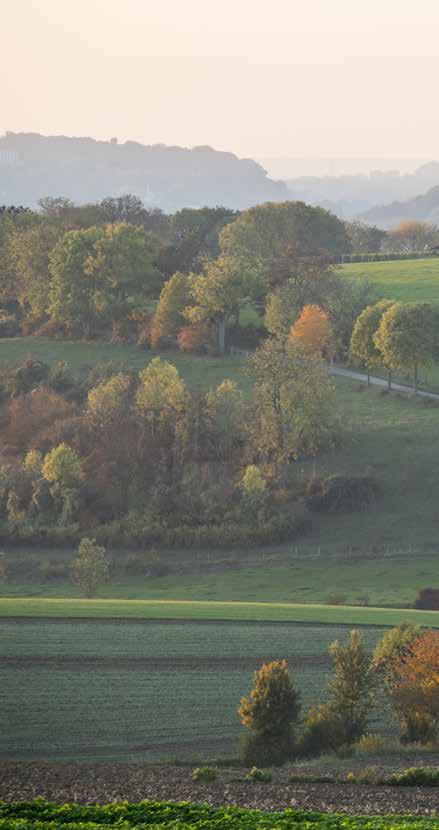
(328, 78)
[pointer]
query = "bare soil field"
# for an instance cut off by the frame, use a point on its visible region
(102, 783)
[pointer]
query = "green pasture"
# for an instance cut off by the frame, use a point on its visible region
(81, 356)
(210, 610)
(410, 281)
(146, 690)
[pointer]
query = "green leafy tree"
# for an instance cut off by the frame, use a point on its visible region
(351, 689)
(281, 234)
(163, 402)
(76, 285)
(269, 714)
(169, 317)
(225, 411)
(228, 283)
(293, 402)
(110, 400)
(32, 248)
(363, 238)
(123, 262)
(62, 468)
(91, 568)
(407, 337)
(363, 347)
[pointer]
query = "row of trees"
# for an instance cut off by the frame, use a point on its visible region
(99, 268)
(410, 236)
(396, 336)
(404, 669)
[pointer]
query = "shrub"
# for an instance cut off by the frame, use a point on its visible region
(52, 570)
(260, 776)
(196, 338)
(428, 599)
(339, 493)
(336, 599)
(419, 727)
(323, 731)
(370, 775)
(415, 777)
(9, 326)
(205, 774)
(264, 751)
(310, 778)
(374, 745)
(4, 569)
(91, 568)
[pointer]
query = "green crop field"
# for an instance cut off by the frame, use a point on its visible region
(146, 690)
(159, 816)
(410, 281)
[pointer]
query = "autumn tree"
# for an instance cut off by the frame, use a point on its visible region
(91, 568)
(415, 689)
(407, 337)
(314, 331)
(269, 714)
(32, 248)
(363, 347)
(110, 400)
(169, 317)
(163, 402)
(412, 236)
(394, 645)
(293, 402)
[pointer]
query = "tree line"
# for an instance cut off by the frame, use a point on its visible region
(402, 673)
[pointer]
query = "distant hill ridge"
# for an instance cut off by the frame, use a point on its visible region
(87, 170)
(425, 208)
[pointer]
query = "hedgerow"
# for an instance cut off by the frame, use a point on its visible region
(43, 815)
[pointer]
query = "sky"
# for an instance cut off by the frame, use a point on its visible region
(328, 79)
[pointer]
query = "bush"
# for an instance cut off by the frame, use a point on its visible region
(428, 599)
(91, 568)
(52, 570)
(336, 599)
(265, 751)
(9, 326)
(259, 776)
(339, 493)
(24, 567)
(415, 777)
(370, 775)
(310, 778)
(205, 774)
(419, 727)
(323, 731)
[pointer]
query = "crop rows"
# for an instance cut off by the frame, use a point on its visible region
(41, 815)
(143, 691)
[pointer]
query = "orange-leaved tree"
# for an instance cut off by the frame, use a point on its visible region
(313, 329)
(416, 685)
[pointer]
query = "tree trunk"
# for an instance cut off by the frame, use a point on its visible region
(222, 335)
(389, 380)
(415, 379)
(368, 377)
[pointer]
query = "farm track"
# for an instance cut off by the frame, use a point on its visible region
(102, 783)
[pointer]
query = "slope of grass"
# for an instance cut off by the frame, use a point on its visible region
(409, 281)
(197, 371)
(210, 610)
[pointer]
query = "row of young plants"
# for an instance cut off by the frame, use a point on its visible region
(43, 815)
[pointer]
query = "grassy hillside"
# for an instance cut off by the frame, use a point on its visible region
(410, 281)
